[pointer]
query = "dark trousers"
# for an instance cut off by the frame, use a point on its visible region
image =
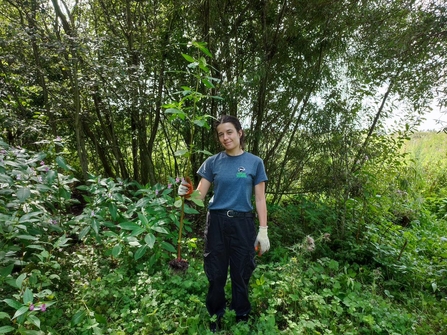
(229, 242)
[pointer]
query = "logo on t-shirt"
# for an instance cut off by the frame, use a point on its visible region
(241, 172)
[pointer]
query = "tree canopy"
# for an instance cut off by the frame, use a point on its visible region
(128, 84)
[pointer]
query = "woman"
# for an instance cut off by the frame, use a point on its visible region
(230, 233)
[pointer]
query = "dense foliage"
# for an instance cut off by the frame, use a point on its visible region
(93, 259)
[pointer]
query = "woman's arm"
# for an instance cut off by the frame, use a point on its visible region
(203, 187)
(261, 206)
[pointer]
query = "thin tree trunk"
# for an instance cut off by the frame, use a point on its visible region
(107, 129)
(270, 51)
(360, 157)
(79, 131)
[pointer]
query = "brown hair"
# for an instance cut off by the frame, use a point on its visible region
(236, 123)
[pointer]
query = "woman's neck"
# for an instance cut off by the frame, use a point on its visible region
(234, 152)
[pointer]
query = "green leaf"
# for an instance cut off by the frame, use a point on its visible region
(129, 226)
(168, 246)
(204, 66)
(61, 162)
(50, 176)
(198, 202)
(95, 226)
(96, 330)
(6, 271)
(159, 229)
(4, 315)
(23, 193)
(29, 332)
(42, 188)
(140, 252)
(100, 318)
(84, 232)
(28, 296)
(116, 250)
(13, 303)
(137, 231)
(200, 123)
(190, 210)
(182, 153)
(27, 237)
(149, 239)
(35, 320)
(11, 163)
(61, 242)
(63, 193)
(20, 280)
(113, 211)
(434, 286)
(29, 216)
(6, 179)
(201, 47)
(143, 218)
(6, 329)
(78, 318)
(174, 111)
(35, 246)
(207, 83)
(111, 234)
(22, 310)
(188, 58)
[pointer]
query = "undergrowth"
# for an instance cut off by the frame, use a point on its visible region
(104, 269)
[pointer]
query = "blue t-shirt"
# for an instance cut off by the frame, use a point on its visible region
(234, 178)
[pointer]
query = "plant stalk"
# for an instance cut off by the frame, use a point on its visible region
(180, 230)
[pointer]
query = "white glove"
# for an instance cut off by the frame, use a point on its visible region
(262, 243)
(185, 188)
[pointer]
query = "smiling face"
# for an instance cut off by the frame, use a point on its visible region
(229, 137)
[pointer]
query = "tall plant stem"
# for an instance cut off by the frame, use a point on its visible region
(180, 230)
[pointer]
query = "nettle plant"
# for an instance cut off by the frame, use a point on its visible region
(34, 197)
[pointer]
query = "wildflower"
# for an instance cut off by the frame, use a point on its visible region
(169, 185)
(177, 179)
(156, 192)
(92, 214)
(327, 237)
(47, 169)
(53, 221)
(42, 163)
(58, 138)
(310, 243)
(31, 307)
(43, 308)
(19, 177)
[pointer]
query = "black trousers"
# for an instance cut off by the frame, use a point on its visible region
(229, 243)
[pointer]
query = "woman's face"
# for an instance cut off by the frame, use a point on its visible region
(229, 137)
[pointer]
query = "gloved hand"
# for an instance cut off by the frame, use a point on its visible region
(186, 188)
(262, 243)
